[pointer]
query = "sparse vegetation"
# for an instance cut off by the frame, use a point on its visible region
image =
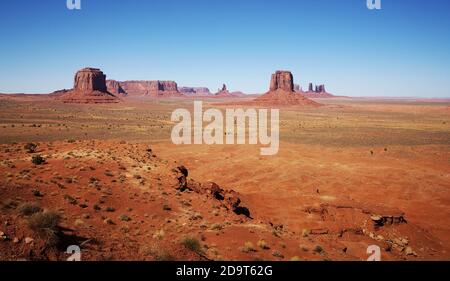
(70, 199)
(263, 245)
(318, 249)
(45, 225)
(37, 159)
(216, 226)
(124, 218)
(28, 209)
(192, 244)
(248, 247)
(30, 147)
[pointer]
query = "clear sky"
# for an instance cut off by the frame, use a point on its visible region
(401, 50)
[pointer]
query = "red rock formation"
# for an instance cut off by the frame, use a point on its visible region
(282, 92)
(151, 88)
(282, 80)
(89, 87)
(115, 88)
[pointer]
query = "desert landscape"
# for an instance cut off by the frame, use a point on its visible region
(94, 166)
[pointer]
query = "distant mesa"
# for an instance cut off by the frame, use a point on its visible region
(281, 92)
(145, 88)
(89, 87)
(195, 91)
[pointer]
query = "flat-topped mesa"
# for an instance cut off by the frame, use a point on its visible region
(283, 80)
(89, 87)
(310, 87)
(153, 88)
(194, 91)
(90, 79)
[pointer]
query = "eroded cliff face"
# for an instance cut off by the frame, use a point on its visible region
(154, 88)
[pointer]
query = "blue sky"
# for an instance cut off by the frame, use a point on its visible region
(401, 50)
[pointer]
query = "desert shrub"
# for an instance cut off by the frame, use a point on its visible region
(216, 226)
(28, 209)
(30, 147)
(70, 199)
(45, 225)
(37, 159)
(71, 140)
(124, 218)
(277, 254)
(318, 249)
(110, 209)
(262, 244)
(248, 247)
(158, 253)
(192, 244)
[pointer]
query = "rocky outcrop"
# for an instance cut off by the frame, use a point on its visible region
(310, 87)
(229, 199)
(297, 88)
(224, 93)
(89, 87)
(115, 88)
(281, 92)
(282, 80)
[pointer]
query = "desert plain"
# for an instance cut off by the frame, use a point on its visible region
(349, 174)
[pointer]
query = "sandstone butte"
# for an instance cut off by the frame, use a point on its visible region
(281, 92)
(89, 87)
